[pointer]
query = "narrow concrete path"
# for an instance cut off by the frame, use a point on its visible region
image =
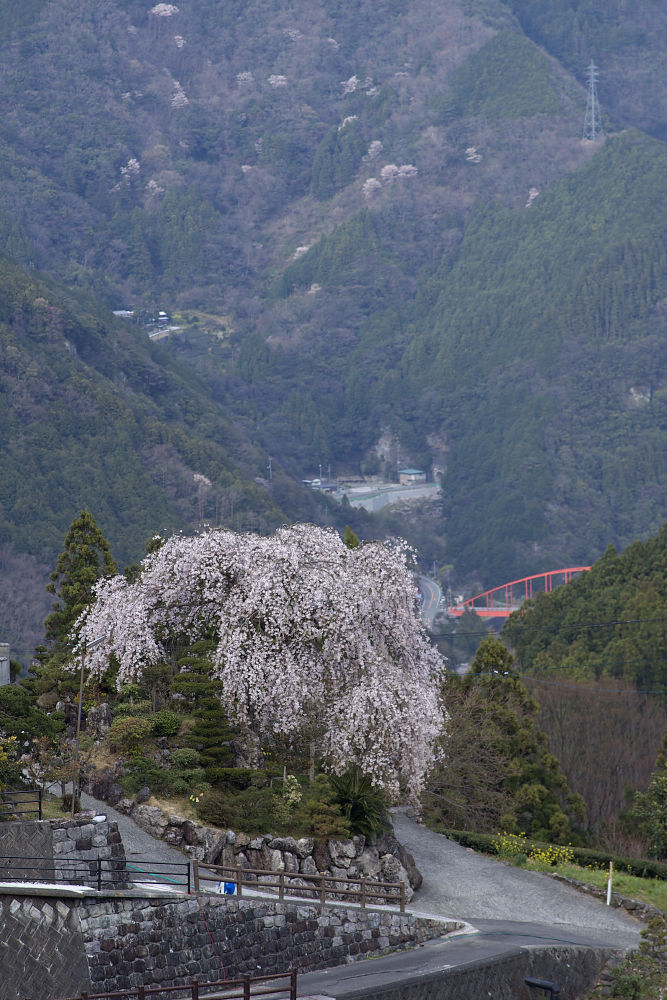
(461, 883)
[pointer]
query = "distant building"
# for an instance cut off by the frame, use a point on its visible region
(408, 477)
(320, 484)
(5, 674)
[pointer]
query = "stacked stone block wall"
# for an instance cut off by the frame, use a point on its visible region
(53, 849)
(54, 947)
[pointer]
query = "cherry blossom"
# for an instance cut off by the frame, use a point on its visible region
(164, 10)
(312, 637)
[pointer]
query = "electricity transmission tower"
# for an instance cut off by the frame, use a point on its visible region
(592, 120)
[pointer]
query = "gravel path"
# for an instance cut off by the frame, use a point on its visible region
(460, 883)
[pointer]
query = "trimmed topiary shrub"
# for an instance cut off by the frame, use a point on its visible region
(129, 733)
(165, 723)
(184, 757)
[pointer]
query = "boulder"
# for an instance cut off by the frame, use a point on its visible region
(283, 844)
(307, 866)
(214, 842)
(304, 847)
(368, 863)
(387, 844)
(99, 719)
(342, 849)
(143, 795)
(151, 819)
(192, 833)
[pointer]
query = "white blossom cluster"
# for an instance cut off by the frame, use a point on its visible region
(472, 156)
(374, 150)
(309, 632)
(244, 77)
(300, 251)
(347, 121)
(164, 9)
(349, 86)
(131, 169)
(276, 80)
(179, 41)
(391, 172)
(371, 187)
(179, 99)
(532, 195)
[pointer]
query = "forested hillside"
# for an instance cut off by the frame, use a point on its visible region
(608, 623)
(94, 415)
(594, 654)
(383, 241)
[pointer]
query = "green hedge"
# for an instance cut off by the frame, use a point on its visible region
(584, 856)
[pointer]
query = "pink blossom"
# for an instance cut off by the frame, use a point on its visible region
(308, 631)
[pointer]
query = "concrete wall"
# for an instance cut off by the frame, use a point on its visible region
(53, 947)
(574, 970)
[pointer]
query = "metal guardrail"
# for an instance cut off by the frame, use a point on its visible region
(100, 873)
(191, 876)
(245, 988)
(17, 802)
(320, 887)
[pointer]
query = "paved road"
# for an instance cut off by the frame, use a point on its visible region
(505, 910)
(460, 883)
(431, 594)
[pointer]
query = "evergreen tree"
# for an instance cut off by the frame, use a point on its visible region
(350, 538)
(85, 558)
(497, 773)
(650, 808)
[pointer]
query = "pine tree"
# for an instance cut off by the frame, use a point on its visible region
(85, 558)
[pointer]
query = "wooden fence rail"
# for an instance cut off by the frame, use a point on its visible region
(322, 887)
(189, 876)
(245, 988)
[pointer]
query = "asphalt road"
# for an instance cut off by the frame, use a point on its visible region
(503, 911)
(460, 883)
(431, 594)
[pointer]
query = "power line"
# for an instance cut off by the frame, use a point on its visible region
(562, 626)
(593, 690)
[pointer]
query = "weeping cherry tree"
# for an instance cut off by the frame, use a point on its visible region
(311, 636)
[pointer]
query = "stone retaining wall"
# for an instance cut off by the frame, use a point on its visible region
(53, 947)
(386, 860)
(56, 846)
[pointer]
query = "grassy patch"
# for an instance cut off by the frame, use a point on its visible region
(646, 890)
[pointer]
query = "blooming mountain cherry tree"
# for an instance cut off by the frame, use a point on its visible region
(312, 635)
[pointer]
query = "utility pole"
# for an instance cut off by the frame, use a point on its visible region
(76, 777)
(592, 119)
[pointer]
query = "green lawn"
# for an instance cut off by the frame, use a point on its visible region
(646, 890)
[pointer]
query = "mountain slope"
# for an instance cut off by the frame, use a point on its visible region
(386, 243)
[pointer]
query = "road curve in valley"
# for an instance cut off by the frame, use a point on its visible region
(431, 594)
(462, 884)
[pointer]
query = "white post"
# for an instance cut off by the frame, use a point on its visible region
(611, 871)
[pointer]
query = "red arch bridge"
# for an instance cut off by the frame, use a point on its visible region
(501, 601)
